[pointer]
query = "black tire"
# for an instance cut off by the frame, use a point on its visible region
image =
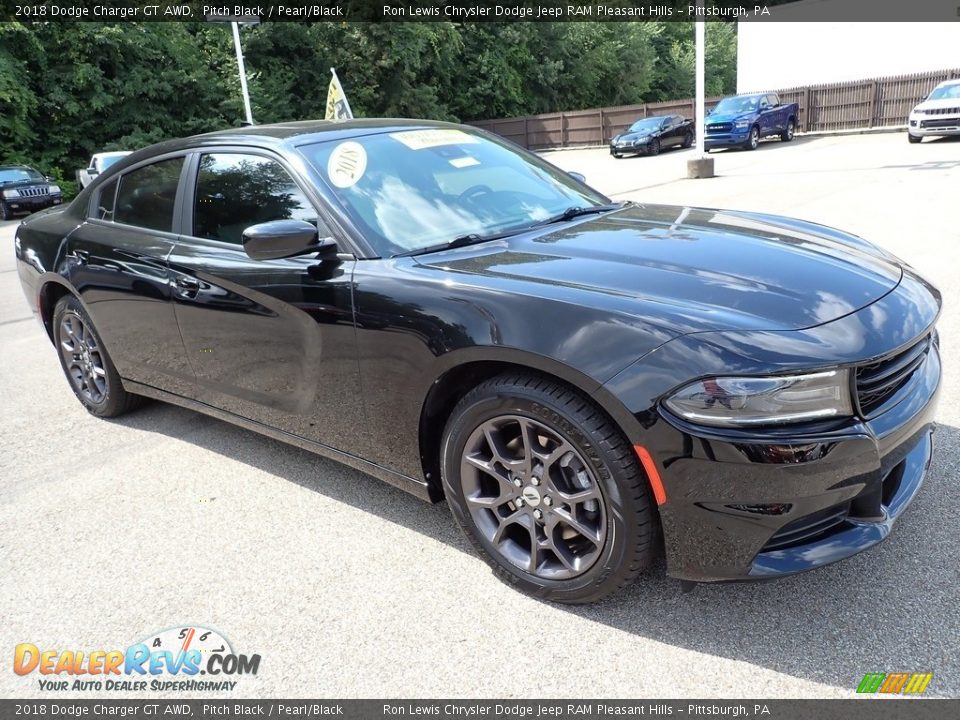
(593, 480)
(86, 364)
(616, 155)
(913, 139)
(754, 140)
(789, 130)
(5, 212)
(654, 147)
(688, 139)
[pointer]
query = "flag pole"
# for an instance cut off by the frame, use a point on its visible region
(243, 72)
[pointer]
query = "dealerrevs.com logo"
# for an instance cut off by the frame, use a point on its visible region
(190, 658)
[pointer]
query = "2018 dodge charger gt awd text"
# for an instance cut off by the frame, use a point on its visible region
(579, 379)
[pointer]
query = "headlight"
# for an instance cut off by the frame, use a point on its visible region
(741, 124)
(11, 193)
(54, 189)
(739, 401)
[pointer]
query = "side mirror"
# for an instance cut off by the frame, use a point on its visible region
(92, 171)
(283, 239)
(579, 177)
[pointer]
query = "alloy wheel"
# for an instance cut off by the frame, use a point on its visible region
(82, 358)
(533, 497)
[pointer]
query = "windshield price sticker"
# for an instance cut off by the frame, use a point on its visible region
(422, 139)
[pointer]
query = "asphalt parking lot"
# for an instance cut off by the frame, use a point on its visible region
(346, 587)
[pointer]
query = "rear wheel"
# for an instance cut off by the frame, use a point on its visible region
(789, 130)
(547, 489)
(89, 369)
(913, 139)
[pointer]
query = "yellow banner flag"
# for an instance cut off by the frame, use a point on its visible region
(337, 106)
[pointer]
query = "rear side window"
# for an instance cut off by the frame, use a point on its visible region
(147, 195)
(105, 201)
(235, 191)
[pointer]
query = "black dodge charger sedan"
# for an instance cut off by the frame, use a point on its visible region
(580, 379)
(648, 136)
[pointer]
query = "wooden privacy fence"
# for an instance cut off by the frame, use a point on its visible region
(876, 102)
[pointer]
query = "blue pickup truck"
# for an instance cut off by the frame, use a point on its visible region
(741, 121)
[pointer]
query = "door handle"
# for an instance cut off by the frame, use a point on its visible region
(185, 282)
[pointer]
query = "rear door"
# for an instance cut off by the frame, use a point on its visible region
(271, 340)
(117, 263)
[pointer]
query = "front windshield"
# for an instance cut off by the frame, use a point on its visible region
(19, 174)
(108, 161)
(413, 189)
(946, 92)
(737, 105)
(645, 125)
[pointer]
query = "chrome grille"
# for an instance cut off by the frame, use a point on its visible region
(942, 111)
(32, 191)
(720, 127)
(879, 380)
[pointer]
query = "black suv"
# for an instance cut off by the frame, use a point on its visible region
(23, 190)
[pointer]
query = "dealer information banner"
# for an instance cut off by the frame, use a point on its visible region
(866, 709)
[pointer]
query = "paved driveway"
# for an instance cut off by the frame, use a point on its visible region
(346, 587)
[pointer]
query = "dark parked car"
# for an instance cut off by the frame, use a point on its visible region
(742, 121)
(648, 136)
(24, 190)
(580, 380)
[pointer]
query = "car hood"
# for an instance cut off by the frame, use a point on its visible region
(938, 104)
(9, 184)
(727, 117)
(687, 269)
(634, 135)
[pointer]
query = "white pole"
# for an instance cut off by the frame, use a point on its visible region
(243, 72)
(699, 72)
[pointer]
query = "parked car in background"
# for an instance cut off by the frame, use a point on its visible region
(98, 163)
(24, 190)
(743, 120)
(938, 115)
(648, 136)
(584, 381)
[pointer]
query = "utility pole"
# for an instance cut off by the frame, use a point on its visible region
(236, 21)
(701, 166)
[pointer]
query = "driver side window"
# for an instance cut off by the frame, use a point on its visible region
(235, 191)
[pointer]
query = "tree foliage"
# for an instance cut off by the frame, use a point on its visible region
(68, 90)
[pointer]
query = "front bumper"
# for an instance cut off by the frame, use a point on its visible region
(734, 138)
(32, 204)
(933, 125)
(639, 149)
(743, 506)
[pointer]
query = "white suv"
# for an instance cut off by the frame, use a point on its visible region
(938, 115)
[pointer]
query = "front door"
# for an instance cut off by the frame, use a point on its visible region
(270, 340)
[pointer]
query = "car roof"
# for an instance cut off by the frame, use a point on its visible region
(112, 153)
(948, 83)
(290, 134)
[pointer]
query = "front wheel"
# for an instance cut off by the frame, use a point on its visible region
(688, 139)
(655, 147)
(547, 489)
(754, 140)
(788, 131)
(913, 139)
(86, 364)
(5, 212)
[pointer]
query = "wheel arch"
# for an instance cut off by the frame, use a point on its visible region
(52, 288)
(464, 370)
